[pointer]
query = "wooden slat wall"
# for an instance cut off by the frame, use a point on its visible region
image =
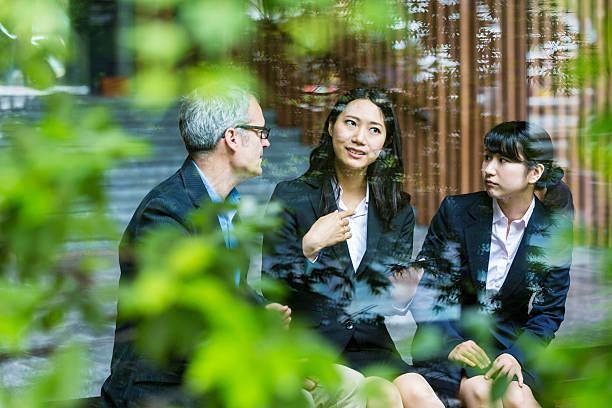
(480, 76)
(566, 116)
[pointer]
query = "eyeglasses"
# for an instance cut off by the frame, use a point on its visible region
(262, 131)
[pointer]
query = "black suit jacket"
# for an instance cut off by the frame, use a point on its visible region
(133, 378)
(329, 295)
(530, 305)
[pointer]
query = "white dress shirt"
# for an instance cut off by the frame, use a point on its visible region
(503, 248)
(357, 243)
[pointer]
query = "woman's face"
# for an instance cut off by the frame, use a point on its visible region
(505, 179)
(358, 135)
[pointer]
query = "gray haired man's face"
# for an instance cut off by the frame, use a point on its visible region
(251, 149)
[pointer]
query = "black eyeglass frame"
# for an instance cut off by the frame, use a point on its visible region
(262, 131)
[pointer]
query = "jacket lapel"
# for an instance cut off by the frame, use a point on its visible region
(478, 240)
(375, 230)
(193, 183)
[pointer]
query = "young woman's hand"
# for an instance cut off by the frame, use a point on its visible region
(469, 353)
(505, 365)
(326, 231)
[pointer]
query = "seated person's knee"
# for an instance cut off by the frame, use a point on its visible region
(415, 390)
(519, 397)
(351, 380)
(475, 389)
(382, 393)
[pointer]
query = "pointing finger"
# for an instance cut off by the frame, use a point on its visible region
(347, 213)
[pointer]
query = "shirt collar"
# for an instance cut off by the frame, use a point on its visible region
(233, 197)
(363, 205)
(499, 215)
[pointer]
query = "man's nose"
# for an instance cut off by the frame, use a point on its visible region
(265, 143)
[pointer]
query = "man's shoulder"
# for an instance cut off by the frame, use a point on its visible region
(171, 192)
(168, 201)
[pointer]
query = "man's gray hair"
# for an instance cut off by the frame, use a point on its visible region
(207, 112)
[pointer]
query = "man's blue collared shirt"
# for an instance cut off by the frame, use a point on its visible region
(225, 219)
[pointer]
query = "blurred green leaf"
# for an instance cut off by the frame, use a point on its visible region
(61, 378)
(156, 87)
(373, 16)
(159, 41)
(311, 35)
(215, 26)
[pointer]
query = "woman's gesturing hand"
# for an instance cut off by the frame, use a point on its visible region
(469, 353)
(326, 231)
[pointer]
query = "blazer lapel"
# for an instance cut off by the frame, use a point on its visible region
(478, 240)
(375, 230)
(520, 265)
(193, 183)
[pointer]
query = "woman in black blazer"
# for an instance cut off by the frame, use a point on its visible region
(503, 258)
(344, 246)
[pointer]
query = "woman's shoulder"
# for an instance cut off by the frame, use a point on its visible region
(298, 184)
(295, 191)
(460, 204)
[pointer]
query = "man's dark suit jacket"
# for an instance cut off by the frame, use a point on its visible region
(530, 305)
(329, 295)
(133, 379)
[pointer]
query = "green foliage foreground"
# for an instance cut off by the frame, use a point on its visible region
(188, 305)
(52, 203)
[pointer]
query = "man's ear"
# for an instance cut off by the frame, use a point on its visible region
(536, 173)
(230, 138)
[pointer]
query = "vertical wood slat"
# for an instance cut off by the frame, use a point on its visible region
(521, 55)
(499, 72)
(508, 61)
(489, 82)
(585, 165)
(608, 92)
(430, 153)
(573, 175)
(476, 145)
(441, 111)
(602, 203)
(453, 104)
(465, 34)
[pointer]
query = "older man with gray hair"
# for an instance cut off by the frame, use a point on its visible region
(224, 131)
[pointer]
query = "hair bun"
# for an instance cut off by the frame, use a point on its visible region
(553, 176)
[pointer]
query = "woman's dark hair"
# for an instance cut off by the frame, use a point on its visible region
(526, 142)
(385, 175)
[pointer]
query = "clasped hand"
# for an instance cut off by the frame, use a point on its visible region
(326, 231)
(471, 354)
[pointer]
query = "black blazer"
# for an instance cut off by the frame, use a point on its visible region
(133, 378)
(329, 295)
(530, 304)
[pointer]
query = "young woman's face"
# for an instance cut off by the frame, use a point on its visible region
(358, 135)
(505, 179)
